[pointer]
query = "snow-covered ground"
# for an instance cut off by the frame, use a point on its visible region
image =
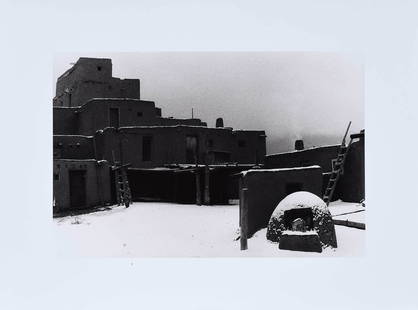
(174, 230)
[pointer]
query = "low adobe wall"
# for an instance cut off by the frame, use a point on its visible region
(351, 185)
(97, 184)
(267, 187)
(321, 156)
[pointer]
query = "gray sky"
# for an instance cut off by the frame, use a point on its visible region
(290, 95)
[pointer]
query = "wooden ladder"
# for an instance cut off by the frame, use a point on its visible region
(337, 168)
(123, 191)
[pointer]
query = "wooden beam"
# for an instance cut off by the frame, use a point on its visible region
(350, 224)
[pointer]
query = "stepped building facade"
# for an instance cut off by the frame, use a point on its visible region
(100, 120)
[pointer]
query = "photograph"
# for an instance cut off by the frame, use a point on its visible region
(209, 154)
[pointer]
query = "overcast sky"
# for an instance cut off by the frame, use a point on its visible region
(290, 95)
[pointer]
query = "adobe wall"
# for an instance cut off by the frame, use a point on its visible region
(249, 146)
(321, 156)
(114, 88)
(351, 186)
(168, 145)
(266, 188)
(224, 183)
(73, 147)
(97, 183)
(65, 121)
(92, 78)
(95, 115)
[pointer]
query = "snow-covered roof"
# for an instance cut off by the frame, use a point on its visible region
(171, 126)
(304, 150)
(278, 169)
(78, 160)
(72, 136)
(59, 107)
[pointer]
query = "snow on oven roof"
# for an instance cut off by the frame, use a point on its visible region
(299, 200)
(243, 173)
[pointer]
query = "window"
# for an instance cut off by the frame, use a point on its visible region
(191, 149)
(114, 117)
(56, 177)
(210, 143)
(99, 68)
(242, 143)
(139, 114)
(146, 148)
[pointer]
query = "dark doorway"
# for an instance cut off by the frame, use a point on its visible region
(77, 189)
(114, 117)
(191, 149)
(293, 187)
(146, 148)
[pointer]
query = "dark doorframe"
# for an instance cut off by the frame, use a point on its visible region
(78, 197)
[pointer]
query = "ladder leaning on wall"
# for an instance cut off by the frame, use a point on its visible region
(123, 191)
(337, 167)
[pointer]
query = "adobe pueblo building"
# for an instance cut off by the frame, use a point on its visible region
(110, 145)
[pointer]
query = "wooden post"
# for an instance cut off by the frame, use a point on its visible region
(207, 189)
(243, 208)
(197, 174)
(198, 194)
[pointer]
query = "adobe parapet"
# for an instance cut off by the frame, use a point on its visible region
(92, 78)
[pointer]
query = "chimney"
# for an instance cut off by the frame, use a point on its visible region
(299, 145)
(219, 122)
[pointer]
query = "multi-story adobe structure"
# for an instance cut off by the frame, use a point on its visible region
(101, 119)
